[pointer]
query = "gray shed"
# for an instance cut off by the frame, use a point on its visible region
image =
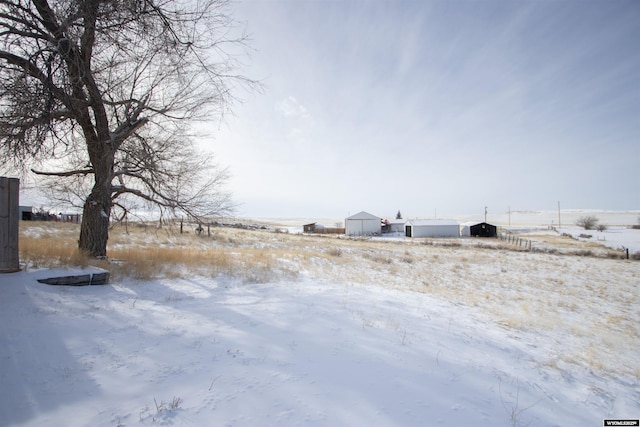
(432, 228)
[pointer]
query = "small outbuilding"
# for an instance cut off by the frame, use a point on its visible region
(393, 226)
(432, 228)
(26, 213)
(363, 224)
(321, 229)
(483, 229)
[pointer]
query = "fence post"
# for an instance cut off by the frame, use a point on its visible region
(9, 222)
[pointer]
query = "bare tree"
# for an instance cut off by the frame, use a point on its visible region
(587, 222)
(102, 91)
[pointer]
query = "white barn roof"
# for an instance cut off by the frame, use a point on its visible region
(432, 222)
(364, 215)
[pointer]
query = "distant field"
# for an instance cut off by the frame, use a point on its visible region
(516, 218)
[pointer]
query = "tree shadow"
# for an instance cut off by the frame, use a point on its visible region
(37, 372)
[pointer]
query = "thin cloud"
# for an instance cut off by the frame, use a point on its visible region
(290, 107)
(441, 104)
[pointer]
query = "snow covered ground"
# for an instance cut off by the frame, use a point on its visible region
(365, 334)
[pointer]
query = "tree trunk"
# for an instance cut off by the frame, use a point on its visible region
(94, 230)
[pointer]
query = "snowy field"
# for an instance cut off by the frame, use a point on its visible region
(329, 332)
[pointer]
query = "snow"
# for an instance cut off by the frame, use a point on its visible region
(612, 237)
(450, 337)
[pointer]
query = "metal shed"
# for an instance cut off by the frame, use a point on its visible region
(484, 229)
(363, 224)
(432, 228)
(26, 213)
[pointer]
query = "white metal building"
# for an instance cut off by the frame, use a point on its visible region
(432, 228)
(465, 228)
(363, 224)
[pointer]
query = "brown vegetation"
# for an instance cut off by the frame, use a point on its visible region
(520, 290)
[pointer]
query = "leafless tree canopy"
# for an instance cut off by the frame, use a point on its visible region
(587, 222)
(106, 89)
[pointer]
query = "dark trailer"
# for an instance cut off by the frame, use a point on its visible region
(483, 230)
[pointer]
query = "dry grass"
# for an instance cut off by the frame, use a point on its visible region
(44, 245)
(567, 245)
(522, 291)
(149, 252)
(152, 262)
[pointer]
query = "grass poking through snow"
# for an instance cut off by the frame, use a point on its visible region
(522, 291)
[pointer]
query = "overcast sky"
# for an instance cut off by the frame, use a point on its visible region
(436, 107)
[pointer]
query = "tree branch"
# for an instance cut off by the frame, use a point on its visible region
(63, 174)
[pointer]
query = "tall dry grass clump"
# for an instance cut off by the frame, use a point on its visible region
(150, 252)
(153, 262)
(50, 244)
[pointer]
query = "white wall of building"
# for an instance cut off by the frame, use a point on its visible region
(362, 224)
(433, 228)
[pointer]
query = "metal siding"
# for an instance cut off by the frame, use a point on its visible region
(436, 231)
(484, 229)
(362, 227)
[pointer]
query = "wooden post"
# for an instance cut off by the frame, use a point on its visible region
(9, 222)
